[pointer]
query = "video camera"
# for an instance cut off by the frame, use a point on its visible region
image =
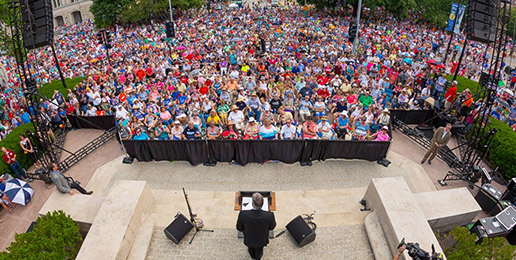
(417, 253)
(41, 174)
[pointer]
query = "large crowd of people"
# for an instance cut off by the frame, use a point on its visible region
(253, 73)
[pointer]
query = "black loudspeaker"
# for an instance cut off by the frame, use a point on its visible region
(38, 23)
(510, 193)
(300, 231)
(488, 196)
(352, 31)
(169, 26)
(480, 21)
(511, 237)
(499, 207)
(178, 228)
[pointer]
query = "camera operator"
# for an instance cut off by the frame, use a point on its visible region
(400, 252)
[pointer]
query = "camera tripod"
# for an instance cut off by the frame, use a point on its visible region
(196, 222)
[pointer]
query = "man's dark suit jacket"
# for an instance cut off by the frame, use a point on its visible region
(256, 225)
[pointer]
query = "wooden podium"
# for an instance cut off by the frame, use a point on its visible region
(271, 198)
(270, 195)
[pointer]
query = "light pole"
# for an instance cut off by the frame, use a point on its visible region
(170, 9)
(354, 50)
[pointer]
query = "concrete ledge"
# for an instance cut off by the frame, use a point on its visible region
(82, 209)
(377, 240)
(118, 221)
(399, 214)
(142, 240)
(446, 209)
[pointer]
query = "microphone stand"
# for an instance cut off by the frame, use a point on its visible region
(197, 222)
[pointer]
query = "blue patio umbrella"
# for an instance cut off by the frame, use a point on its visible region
(18, 191)
(408, 61)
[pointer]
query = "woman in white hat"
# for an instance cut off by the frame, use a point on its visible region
(252, 130)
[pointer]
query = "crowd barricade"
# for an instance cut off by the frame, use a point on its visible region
(411, 117)
(96, 122)
(243, 152)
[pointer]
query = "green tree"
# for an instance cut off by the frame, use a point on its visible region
(142, 10)
(398, 7)
(106, 12)
(54, 237)
(465, 247)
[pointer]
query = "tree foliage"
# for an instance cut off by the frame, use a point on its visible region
(55, 236)
(465, 247)
(436, 12)
(106, 12)
(109, 12)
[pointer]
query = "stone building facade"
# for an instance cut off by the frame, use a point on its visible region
(67, 12)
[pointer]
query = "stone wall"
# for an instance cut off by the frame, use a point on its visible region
(71, 12)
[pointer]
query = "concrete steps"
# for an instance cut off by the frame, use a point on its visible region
(142, 240)
(377, 239)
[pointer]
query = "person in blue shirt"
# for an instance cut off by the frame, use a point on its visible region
(59, 98)
(496, 114)
(137, 113)
(341, 129)
(361, 129)
(140, 135)
(174, 94)
(25, 117)
(191, 132)
(182, 98)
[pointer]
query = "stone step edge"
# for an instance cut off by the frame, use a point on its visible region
(377, 239)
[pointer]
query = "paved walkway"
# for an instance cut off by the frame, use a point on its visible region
(20, 220)
(343, 242)
(331, 174)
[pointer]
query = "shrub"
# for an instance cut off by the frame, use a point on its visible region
(503, 149)
(47, 90)
(465, 247)
(12, 142)
(55, 236)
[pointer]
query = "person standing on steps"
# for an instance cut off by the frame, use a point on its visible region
(440, 139)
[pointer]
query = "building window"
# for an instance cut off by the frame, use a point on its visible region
(57, 3)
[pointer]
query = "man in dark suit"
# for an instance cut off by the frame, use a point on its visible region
(256, 224)
(441, 137)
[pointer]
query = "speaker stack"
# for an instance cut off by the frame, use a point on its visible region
(178, 229)
(488, 197)
(169, 29)
(300, 231)
(481, 20)
(510, 193)
(38, 23)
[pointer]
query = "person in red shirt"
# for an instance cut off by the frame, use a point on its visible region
(149, 71)
(69, 108)
(10, 158)
(140, 74)
(323, 92)
(450, 95)
(322, 80)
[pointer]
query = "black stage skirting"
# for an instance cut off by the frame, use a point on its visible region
(412, 117)
(96, 122)
(254, 151)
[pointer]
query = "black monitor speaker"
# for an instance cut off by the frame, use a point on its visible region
(178, 229)
(300, 231)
